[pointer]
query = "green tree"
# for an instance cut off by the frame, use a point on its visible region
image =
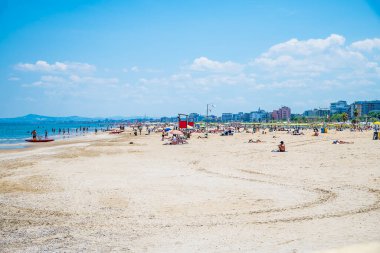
(336, 117)
(356, 113)
(374, 114)
(344, 117)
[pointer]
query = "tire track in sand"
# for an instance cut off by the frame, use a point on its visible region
(324, 196)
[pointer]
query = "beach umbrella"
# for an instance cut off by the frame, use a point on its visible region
(177, 132)
(167, 129)
(376, 123)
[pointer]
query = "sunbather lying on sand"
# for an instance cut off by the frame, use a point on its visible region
(342, 142)
(256, 141)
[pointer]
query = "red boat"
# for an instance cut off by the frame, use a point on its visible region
(39, 140)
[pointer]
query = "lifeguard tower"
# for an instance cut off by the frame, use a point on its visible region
(183, 120)
(191, 122)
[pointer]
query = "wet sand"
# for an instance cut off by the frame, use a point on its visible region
(220, 194)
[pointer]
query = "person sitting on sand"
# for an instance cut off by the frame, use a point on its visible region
(175, 140)
(181, 140)
(281, 147)
(163, 135)
(342, 142)
(256, 141)
(297, 132)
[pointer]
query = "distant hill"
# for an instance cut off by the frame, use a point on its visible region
(30, 118)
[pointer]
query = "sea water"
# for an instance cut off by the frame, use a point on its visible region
(13, 135)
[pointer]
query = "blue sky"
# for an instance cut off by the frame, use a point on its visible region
(103, 58)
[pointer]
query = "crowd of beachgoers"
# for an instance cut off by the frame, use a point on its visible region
(172, 135)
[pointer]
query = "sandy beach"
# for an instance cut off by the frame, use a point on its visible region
(222, 194)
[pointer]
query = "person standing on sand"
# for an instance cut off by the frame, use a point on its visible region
(163, 135)
(375, 133)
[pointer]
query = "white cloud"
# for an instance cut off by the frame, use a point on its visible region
(311, 70)
(366, 45)
(43, 66)
(50, 81)
(135, 69)
(13, 78)
(316, 60)
(205, 64)
(313, 64)
(131, 69)
(93, 80)
(306, 47)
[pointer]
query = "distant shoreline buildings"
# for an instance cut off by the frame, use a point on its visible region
(361, 108)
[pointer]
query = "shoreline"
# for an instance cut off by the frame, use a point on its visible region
(75, 140)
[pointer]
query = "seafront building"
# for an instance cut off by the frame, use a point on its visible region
(168, 119)
(227, 117)
(283, 113)
(317, 113)
(196, 117)
(255, 116)
(364, 108)
(339, 107)
(259, 115)
(238, 116)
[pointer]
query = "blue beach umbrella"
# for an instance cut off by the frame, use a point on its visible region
(167, 129)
